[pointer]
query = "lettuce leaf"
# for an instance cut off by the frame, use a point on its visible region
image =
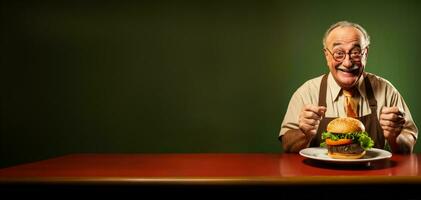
(358, 137)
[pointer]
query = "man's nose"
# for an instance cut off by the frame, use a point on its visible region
(347, 61)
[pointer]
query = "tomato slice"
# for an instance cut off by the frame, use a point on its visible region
(338, 142)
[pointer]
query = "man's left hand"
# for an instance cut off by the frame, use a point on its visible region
(391, 120)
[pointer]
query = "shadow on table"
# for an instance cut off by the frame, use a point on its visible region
(373, 165)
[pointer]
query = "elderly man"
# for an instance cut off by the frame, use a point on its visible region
(348, 91)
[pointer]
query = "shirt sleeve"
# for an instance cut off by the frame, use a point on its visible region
(292, 114)
(410, 129)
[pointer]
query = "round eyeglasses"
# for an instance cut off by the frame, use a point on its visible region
(355, 54)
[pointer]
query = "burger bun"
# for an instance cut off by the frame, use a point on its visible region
(345, 125)
(337, 155)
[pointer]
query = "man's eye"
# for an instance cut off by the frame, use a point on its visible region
(340, 53)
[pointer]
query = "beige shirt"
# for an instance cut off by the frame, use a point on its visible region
(384, 92)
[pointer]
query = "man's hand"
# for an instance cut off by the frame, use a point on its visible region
(309, 119)
(392, 120)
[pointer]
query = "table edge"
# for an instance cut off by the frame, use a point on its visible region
(295, 180)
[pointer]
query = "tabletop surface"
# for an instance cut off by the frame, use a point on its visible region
(281, 168)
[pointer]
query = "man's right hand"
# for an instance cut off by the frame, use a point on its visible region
(309, 119)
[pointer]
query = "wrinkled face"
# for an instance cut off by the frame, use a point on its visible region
(346, 55)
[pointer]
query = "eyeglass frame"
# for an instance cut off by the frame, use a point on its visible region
(363, 51)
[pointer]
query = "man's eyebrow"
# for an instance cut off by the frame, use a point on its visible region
(338, 43)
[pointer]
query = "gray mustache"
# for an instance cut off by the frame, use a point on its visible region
(346, 69)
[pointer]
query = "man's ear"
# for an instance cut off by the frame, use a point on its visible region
(326, 53)
(366, 54)
(326, 56)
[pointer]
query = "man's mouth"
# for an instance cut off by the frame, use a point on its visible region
(354, 69)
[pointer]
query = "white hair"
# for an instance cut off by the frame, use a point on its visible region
(347, 24)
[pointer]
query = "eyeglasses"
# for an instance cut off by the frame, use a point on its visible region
(355, 54)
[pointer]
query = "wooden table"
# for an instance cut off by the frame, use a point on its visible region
(277, 172)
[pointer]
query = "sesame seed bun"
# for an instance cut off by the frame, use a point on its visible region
(345, 125)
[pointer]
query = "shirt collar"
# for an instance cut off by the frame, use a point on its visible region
(335, 89)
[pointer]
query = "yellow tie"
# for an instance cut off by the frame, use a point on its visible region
(351, 105)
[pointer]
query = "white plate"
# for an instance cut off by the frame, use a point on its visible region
(320, 153)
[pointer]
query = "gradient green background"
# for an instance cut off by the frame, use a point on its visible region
(177, 76)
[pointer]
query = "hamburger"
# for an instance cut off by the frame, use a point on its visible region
(345, 138)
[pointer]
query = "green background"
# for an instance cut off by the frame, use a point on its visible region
(177, 76)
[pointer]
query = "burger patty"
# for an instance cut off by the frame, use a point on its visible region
(347, 148)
